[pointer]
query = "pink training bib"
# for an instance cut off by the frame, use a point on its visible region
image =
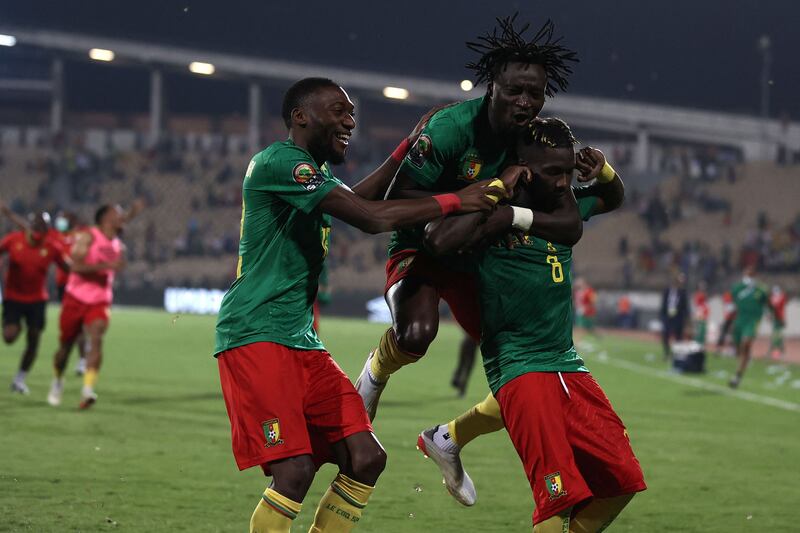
(97, 287)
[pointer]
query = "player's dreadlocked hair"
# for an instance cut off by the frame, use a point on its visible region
(296, 94)
(506, 44)
(550, 132)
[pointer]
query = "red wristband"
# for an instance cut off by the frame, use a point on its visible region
(449, 203)
(401, 150)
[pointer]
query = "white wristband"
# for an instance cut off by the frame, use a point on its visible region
(523, 218)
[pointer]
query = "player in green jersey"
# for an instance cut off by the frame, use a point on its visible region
(461, 144)
(291, 407)
(530, 359)
(750, 298)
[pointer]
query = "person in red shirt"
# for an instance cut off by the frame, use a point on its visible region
(30, 254)
(585, 300)
(777, 299)
(700, 312)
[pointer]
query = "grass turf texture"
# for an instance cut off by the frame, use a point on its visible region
(154, 453)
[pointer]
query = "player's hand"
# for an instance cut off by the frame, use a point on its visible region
(589, 162)
(417, 131)
(511, 175)
(475, 197)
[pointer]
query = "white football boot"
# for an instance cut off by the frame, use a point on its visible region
(456, 479)
(56, 392)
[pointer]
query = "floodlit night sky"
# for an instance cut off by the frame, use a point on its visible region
(700, 53)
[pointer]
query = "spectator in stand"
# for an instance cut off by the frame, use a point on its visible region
(674, 312)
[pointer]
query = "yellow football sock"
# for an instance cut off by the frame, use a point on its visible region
(389, 358)
(559, 523)
(340, 508)
(274, 513)
(90, 378)
(597, 516)
(483, 418)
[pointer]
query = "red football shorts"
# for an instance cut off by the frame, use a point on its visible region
(571, 442)
(76, 314)
(458, 289)
(284, 402)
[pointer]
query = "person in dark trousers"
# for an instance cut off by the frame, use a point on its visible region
(674, 312)
(466, 360)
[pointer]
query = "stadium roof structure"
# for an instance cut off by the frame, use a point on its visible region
(756, 137)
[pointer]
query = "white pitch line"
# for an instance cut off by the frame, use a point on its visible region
(700, 384)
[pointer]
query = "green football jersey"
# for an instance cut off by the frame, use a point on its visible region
(455, 149)
(526, 308)
(283, 243)
(750, 299)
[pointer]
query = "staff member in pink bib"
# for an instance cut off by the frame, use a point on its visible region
(97, 255)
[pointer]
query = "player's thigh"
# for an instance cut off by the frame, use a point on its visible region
(35, 316)
(70, 322)
(332, 406)
(534, 408)
(600, 441)
(264, 386)
(12, 320)
(414, 304)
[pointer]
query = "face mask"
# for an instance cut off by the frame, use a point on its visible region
(62, 224)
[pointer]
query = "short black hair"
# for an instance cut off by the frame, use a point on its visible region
(551, 133)
(297, 93)
(505, 44)
(101, 212)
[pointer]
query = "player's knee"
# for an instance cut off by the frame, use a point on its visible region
(10, 334)
(368, 464)
(293, 478)
(417, 336)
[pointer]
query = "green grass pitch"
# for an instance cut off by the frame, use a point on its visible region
(154, 454)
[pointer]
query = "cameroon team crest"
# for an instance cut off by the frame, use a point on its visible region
(272, 431)
(471, 167)
(420, 151)
(307, 176)
(555, 487)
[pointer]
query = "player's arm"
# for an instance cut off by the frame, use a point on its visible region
(376, 185)
(133, 211)
(453, 234)
(608, 188)
(61, 257)
(378, 216)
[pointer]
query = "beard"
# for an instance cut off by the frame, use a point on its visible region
(321, 146)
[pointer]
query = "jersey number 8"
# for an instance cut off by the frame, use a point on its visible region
(555, 268)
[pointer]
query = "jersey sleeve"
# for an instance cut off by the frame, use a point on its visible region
(586, 206)
(292, 175)
(441, 141)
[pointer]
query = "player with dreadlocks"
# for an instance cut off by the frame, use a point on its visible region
(572, 444)
(463, 143)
